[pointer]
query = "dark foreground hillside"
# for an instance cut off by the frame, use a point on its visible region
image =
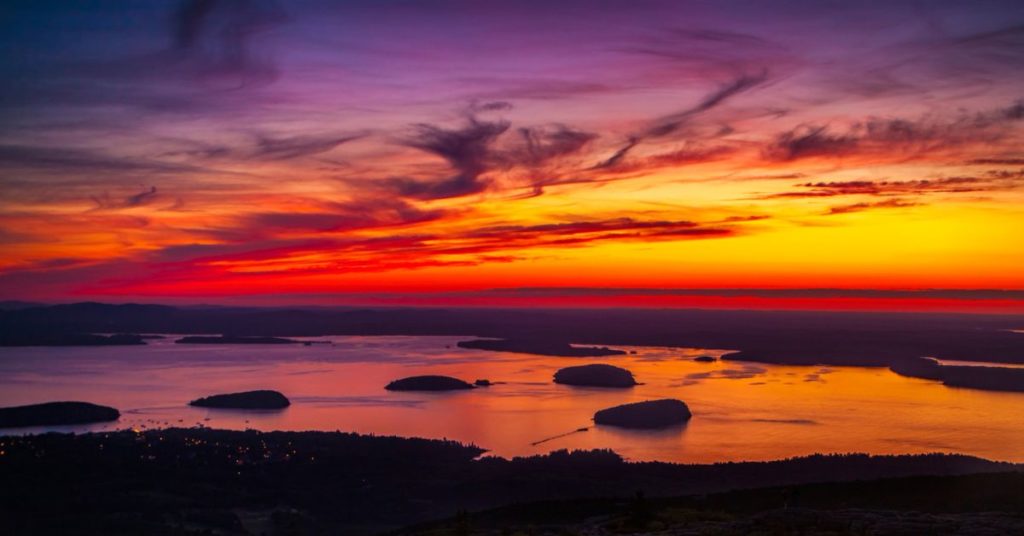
(202, 481)
(979, 504)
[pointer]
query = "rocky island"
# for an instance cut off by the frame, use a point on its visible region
(648, 414)
(428, 383)
(56, 414)
(539, 347)
(263, 399)
(596, 375)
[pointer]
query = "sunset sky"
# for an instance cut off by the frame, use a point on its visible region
(519, 152)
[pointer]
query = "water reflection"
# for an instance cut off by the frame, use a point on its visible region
(742, 411)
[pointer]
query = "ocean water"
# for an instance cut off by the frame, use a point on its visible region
(741, 411)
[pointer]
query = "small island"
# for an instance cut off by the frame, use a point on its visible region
(56, 414)
(705, 359)
(263, 399)
(428, 383)
(649, 414)
(596, 375)
(232, 339)
(539, 347)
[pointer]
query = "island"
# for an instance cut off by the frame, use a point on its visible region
(596, 375)
(539, 347)
(989, 378)
(428, 383)
(262, 399)
(231, 339)
(705, 359)
(56, 414)
(648, 414)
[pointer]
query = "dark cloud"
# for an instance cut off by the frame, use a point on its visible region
(70, 160)
(216, 34)
(860, 207)
(895, 137)
(705, 53)
(543, 144)
(673, 123)
(358, 214)
(467, 150)
(997, 162)
(287, 148)
(617, 157)
(992, 182)
(579, 233)
(810, 140)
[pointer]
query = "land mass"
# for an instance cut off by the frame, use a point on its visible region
(217, 481)
(229, 339)
(963, 504)
(428, 383)
(970, 376)
(262, 399)
(56, 414)
(781, 337)
(538, 347)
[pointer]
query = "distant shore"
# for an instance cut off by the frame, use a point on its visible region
(778, 337)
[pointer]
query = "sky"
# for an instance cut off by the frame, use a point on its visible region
(522, 153)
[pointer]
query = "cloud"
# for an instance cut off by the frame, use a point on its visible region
(467, 150)
(362, 213)
(64, 160)
(106, 202)
(287, 148)
(896, 138)
(997, 161)
(672, 123)
(860, 207)
(994, 181)
(541, 145)
(215, 35)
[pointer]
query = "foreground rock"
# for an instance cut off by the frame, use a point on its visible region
(538, 347)
(56, 414)
(428, 383)
(648, 414)
(598, 375)
(246, 400)
(228, 339)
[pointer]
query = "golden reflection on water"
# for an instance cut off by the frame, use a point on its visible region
(742, 411)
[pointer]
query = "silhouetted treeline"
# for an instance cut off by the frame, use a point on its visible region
(989, 503)
(154, 481)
